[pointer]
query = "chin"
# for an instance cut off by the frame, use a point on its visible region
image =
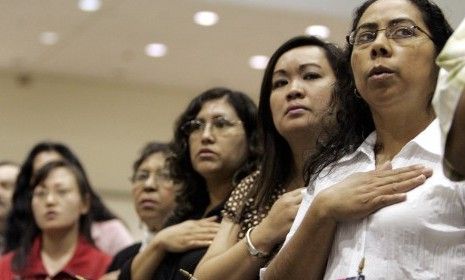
(207, 168)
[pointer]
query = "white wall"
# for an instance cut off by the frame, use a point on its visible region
(105, 124)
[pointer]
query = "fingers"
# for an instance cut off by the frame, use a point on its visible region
(209, 219)
(385, 166)
(297, 192)
(404, 186)
(292, 197)
(386, 200)
(412, 169)
(194, 244)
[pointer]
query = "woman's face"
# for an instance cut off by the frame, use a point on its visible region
(57, 203)
(394, 74)
(154, 191)
(43, 158)
(218, 147)
(302, 84)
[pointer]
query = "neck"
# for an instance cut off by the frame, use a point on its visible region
(396, 130)
(219, 190)
(57, 244)
(155, 227)
(58, 248)
(302, 148)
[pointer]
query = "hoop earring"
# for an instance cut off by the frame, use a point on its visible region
(357, 95)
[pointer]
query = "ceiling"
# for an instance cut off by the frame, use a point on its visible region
(109, 44)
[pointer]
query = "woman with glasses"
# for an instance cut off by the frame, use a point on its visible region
(343, 231)
(215, 146)
(295, 108)
(57, 243)
(154, 193)
(104, 222)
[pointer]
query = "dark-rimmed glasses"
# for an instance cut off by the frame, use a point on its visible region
(363, 36)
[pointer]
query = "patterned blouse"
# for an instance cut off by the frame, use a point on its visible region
(250, 215)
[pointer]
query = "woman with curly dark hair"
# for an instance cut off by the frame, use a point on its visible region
(362, 219)
(216, 144)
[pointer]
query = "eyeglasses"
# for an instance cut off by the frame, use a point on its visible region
(218, 125)
(398, 32)
(161, 176)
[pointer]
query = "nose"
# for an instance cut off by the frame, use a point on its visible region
(150, 185)
(50, 198)
(207, 135)
(296, 90)
(381, 46)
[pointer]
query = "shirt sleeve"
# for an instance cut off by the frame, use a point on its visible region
(451, 81)
(235, 203)
(111, 236)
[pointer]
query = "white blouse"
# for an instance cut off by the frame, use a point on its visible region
(420, 238)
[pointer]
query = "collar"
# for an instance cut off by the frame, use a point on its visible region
(366, 149)
(36, 269)
(429, 140)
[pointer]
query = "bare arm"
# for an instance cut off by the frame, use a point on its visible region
(306, 253)
(228, 258)
(178, 238)
(455, 147)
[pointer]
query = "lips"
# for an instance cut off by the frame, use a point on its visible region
(380, 71)
(51, 214)
(295, 108)
(206, 152)
(148, 203)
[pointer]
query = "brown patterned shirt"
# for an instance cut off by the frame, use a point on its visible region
(250, 215)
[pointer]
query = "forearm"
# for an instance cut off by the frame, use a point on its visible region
(234, 263)
(306, 254)
(147, 261)
(455, 149)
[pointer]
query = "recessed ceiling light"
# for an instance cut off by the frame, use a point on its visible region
(156, 50)
(48, 38)
(318, 30)
(258, 62)
(90, 5)
(206, 18)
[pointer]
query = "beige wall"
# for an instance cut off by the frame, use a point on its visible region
(105, 124)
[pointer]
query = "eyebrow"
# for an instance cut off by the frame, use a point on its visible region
(301, 67)
(212, 117)
(373, 25)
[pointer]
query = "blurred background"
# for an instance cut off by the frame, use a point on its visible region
(106, 77)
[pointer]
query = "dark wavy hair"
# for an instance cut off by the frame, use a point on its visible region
(194, 196)
(277, 163)
(354, 118)
(31, 230)
(18, 218)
